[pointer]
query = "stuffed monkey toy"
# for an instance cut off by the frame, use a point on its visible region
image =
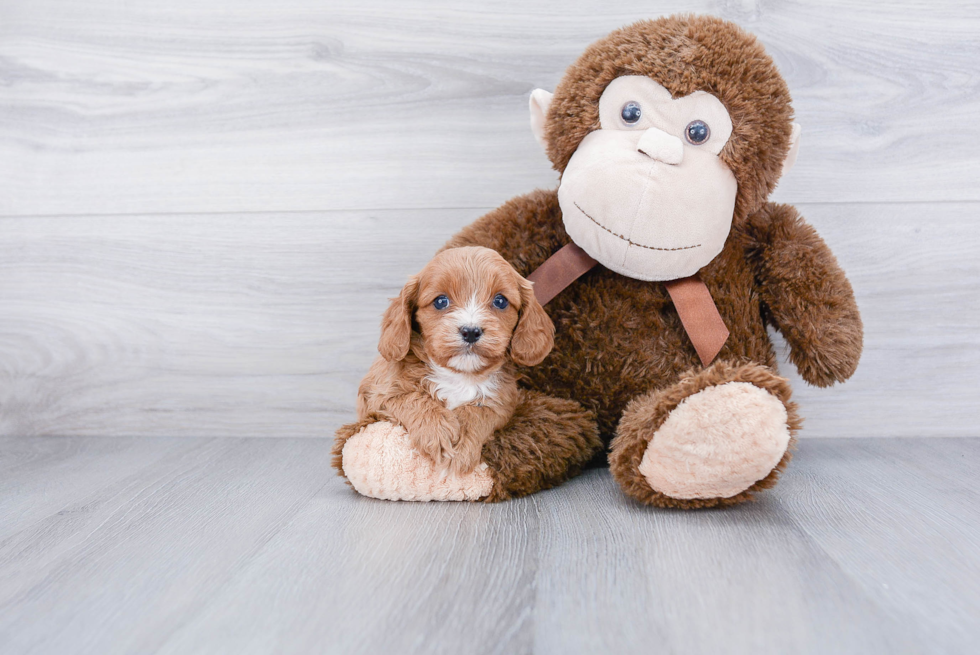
(662, 264)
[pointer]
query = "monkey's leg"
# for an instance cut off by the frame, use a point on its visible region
(547, 441)
(716, 437)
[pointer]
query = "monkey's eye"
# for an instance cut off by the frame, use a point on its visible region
(631, 112)
(441, 302)
(500, 302)
(697, 132)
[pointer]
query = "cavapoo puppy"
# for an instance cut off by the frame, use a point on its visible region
(448, 346)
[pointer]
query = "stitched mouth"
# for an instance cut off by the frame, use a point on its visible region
(627, 239)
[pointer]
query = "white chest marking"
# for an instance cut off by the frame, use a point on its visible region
(457, 389)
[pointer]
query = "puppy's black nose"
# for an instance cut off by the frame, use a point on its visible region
(471, 333)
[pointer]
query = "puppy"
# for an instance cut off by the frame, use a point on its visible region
(449, 345)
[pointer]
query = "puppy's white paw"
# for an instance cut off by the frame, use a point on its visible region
(380, 462)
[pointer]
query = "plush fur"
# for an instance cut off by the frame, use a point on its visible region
(619, 340)
(622, 362)
(547, 441)
(617, 337)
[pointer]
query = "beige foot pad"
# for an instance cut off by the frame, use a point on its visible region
(717, 443)
(380, 463)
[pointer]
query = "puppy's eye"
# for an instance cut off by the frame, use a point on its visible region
(697, 132)
(441, 302)
(631, 112)
(500, 302)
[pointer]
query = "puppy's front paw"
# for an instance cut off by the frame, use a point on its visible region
(380, 462)
(466, 457)
(436, 437)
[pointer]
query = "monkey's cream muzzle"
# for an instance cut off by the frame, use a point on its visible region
(645, 194)
(646, 206)
(641, 197)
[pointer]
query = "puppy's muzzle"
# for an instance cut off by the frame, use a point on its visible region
(470, 333)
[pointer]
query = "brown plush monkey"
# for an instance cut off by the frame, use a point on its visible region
(669, 136)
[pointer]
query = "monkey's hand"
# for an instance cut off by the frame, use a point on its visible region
(806, 295)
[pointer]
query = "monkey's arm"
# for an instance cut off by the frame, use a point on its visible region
(805, 294)
(525, 230)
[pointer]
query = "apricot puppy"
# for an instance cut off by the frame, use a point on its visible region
(449, 343)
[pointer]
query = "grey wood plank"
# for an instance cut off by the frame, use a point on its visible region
(745, 580)
(384, 578)
(882, 501)
(262, 325)
(72, 469)
(153, 551)
(215, 106)
(252, 546)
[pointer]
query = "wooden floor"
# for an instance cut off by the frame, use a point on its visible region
(184, 545)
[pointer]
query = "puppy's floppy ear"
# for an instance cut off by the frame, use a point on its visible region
(534, 336)
(396, 325)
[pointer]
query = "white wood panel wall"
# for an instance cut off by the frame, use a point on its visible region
(204, 203)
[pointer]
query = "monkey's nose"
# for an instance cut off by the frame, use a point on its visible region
(661, 146)
(471, 333)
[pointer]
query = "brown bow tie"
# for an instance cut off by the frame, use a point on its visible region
(691, 298)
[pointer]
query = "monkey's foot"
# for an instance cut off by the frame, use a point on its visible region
(379, 462)
(714, 438)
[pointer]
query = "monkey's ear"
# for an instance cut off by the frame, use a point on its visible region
(396, 326)
(540, 99)
(794, 149)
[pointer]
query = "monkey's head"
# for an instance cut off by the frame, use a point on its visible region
(665, 133)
